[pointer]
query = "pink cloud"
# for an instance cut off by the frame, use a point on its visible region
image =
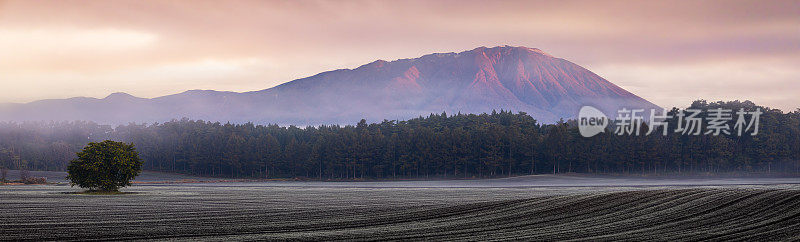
(294, 39)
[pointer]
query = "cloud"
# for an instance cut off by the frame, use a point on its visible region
(49, 41)
(192, 44)
(765, 82)
(143, 81)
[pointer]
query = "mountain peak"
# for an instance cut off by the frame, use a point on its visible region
(480, 80)
(375, 64)
(536, 50)
(509, 49)
(120, 96)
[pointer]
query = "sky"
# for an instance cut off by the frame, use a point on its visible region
(668, 52)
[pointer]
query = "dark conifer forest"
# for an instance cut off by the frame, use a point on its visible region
(437, 146)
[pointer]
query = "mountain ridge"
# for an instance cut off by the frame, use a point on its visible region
(474, 81)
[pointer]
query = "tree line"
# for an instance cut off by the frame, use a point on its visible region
(439, 145)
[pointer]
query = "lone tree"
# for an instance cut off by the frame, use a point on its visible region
(105, 166)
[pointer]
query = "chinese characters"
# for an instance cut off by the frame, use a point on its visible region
(689, 121)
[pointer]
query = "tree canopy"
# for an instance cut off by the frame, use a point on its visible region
(439, 145)
(105, 166)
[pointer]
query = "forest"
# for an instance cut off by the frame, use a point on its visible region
(437, 146)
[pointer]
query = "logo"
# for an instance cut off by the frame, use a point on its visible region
(591, 121)
(715, 121)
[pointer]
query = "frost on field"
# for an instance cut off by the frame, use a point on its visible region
(534, 208)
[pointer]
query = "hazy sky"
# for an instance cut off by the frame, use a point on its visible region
(668, 52)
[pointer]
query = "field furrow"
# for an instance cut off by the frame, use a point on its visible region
(178, 212)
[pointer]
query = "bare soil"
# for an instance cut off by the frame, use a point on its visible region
(532, 208)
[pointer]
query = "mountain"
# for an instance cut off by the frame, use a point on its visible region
(475, 81)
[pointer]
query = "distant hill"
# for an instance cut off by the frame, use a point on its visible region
(475, 81)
